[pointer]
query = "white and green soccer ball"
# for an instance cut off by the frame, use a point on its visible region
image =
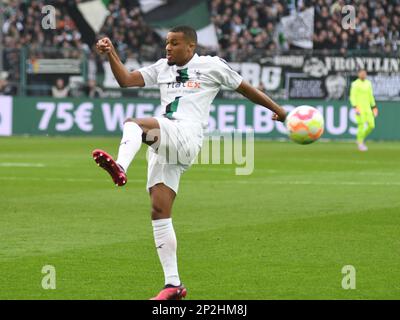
(305, 124)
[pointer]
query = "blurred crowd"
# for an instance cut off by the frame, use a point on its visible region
(130, 34)
(245, 28)
(377, 26)
(22, 27)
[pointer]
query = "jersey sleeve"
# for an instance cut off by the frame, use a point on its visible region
(225, 75)
(150, 73)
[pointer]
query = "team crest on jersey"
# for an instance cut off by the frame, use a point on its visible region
(182, 75)
(198, 74)
(182, 80)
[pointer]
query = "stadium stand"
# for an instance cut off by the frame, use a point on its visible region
(244, 27)
(246, 30)
(377, 26)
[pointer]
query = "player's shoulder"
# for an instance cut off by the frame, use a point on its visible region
(214, 60)
(159, 64)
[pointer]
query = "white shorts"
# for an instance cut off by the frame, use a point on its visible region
(180, 142)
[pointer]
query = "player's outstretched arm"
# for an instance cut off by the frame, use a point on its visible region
(262, 99)
(121, 74)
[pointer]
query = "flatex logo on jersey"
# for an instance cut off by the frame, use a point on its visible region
(182, 80)
(5, 116)
(189, 84)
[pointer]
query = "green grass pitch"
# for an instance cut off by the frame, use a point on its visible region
(284, 232)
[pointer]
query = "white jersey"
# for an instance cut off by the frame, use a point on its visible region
(188, 91)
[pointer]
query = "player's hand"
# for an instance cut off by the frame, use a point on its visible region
(357, 111)
(279, 117)
(104, 45)
(375, 111)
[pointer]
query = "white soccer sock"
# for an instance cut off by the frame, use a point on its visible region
(165, 240)
(130, 144)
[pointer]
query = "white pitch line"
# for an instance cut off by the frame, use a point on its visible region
(22, 165)
(232, 181)
(300, 182)
(351, 161)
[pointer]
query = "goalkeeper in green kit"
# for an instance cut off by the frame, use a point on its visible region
(362, 99)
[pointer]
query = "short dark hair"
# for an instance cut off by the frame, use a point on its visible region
(188, 31)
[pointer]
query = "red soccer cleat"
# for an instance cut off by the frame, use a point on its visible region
(104, 160)
(171, 293)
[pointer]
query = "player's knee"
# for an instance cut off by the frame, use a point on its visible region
(129, 120)
(139, 122)
(157, 212)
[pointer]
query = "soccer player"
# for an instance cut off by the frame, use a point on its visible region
(362, 99)
(188, 84)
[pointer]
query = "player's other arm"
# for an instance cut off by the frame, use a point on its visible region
(372, 102)
(353, 97)
(121, 74)
(262, 99)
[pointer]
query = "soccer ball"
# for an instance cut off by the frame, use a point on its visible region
(305, 124)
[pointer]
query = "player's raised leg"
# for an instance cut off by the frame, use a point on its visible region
(162, 198)
(135, 132)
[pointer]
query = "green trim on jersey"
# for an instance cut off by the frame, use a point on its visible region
(183, 75)
(172, 107)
